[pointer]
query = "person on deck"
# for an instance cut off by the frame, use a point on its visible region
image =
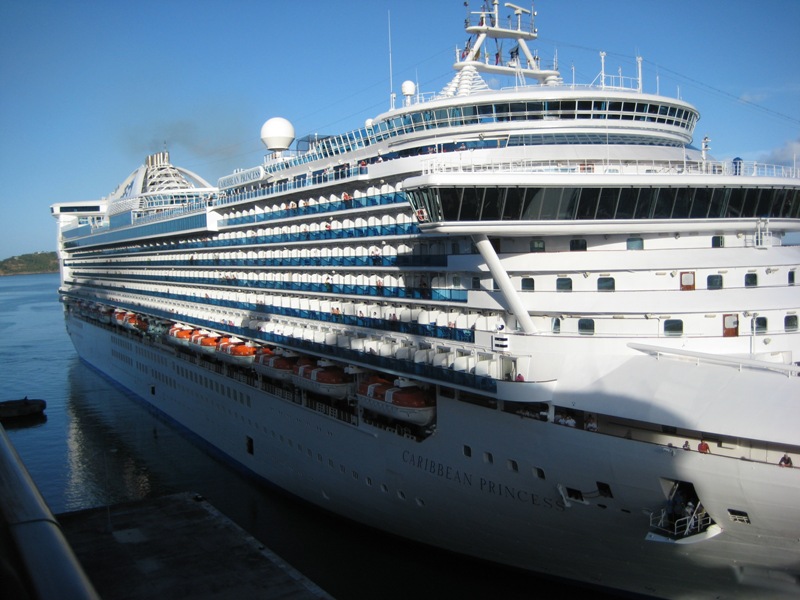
(703, 447)
(786, 461)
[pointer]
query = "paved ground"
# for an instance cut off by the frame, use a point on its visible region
(178, 547)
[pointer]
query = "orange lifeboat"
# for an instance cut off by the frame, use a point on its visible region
(275, 366)
(236, 351)
(324, 378)
(402, 400)
(205, 341)
(180, 334)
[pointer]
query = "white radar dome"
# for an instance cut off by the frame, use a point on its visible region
(408, 88)
(277, 134)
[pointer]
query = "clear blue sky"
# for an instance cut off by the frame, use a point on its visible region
(90, 87)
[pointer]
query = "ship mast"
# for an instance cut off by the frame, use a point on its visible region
(485, 24)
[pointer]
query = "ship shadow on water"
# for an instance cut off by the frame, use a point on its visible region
(124, 450)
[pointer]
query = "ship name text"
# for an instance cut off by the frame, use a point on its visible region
(241, 177)
(486, 486)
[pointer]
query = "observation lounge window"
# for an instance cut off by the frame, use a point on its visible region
(564, 284)
(512, 210)
(790, 323)
(714, 282)
(605, 284)
(750, 279)
(673, 327)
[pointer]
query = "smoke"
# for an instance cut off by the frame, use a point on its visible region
(211, 143)
(788, 154)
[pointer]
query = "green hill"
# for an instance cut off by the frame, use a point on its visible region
(38, 262)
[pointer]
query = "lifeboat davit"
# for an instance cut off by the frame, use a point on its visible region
(400, 400)
(324, 378)
(275, 366)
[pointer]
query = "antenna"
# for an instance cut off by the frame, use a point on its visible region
(391, 84)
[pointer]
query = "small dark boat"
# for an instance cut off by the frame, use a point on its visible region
(12, 409)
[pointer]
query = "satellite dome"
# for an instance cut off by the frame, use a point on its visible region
(277, 134)
(408, 88)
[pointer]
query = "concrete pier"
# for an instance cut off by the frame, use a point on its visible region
(178, 547)
(171, 547)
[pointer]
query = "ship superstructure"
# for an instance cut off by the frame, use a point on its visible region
(532, 324)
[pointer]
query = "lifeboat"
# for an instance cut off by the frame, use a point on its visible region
(103, 314)
(236, 351)
(180, 334)
(400, 400)
(134, 321)
(205, 341)
(275, 366)
(324, 378)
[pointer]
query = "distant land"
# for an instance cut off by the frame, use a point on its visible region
(27, 264)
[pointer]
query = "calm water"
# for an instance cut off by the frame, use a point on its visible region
(82, 457)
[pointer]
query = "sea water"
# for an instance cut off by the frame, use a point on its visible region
(99, 445)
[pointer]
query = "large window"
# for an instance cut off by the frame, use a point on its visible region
(591, 203)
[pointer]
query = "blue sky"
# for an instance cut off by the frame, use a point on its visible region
(89, 88)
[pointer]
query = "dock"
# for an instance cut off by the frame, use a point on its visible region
(176, 546)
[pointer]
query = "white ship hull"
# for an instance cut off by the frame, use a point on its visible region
(567, 291)
(431, 492)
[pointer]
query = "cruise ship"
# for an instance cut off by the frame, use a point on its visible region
(538, 325)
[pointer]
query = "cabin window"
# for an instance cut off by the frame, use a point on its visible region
(538, 473)
(759, 325)
(577, 245)
(586, 326)
(556, 325)
(604, 490)
(717, 241)
(476, 283)
(790, 323)
(457, 281)
(714, 282)
(467, 451)
(673, 327)
(574, 494)
(488, 458)
(249, 445)
(605, 284)
(527, 284)
(564, 284)
(537, 245)
(635, 243)
(750, 279)
(513, 466)
(791, 278)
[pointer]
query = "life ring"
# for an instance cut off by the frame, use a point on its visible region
(421, 214)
